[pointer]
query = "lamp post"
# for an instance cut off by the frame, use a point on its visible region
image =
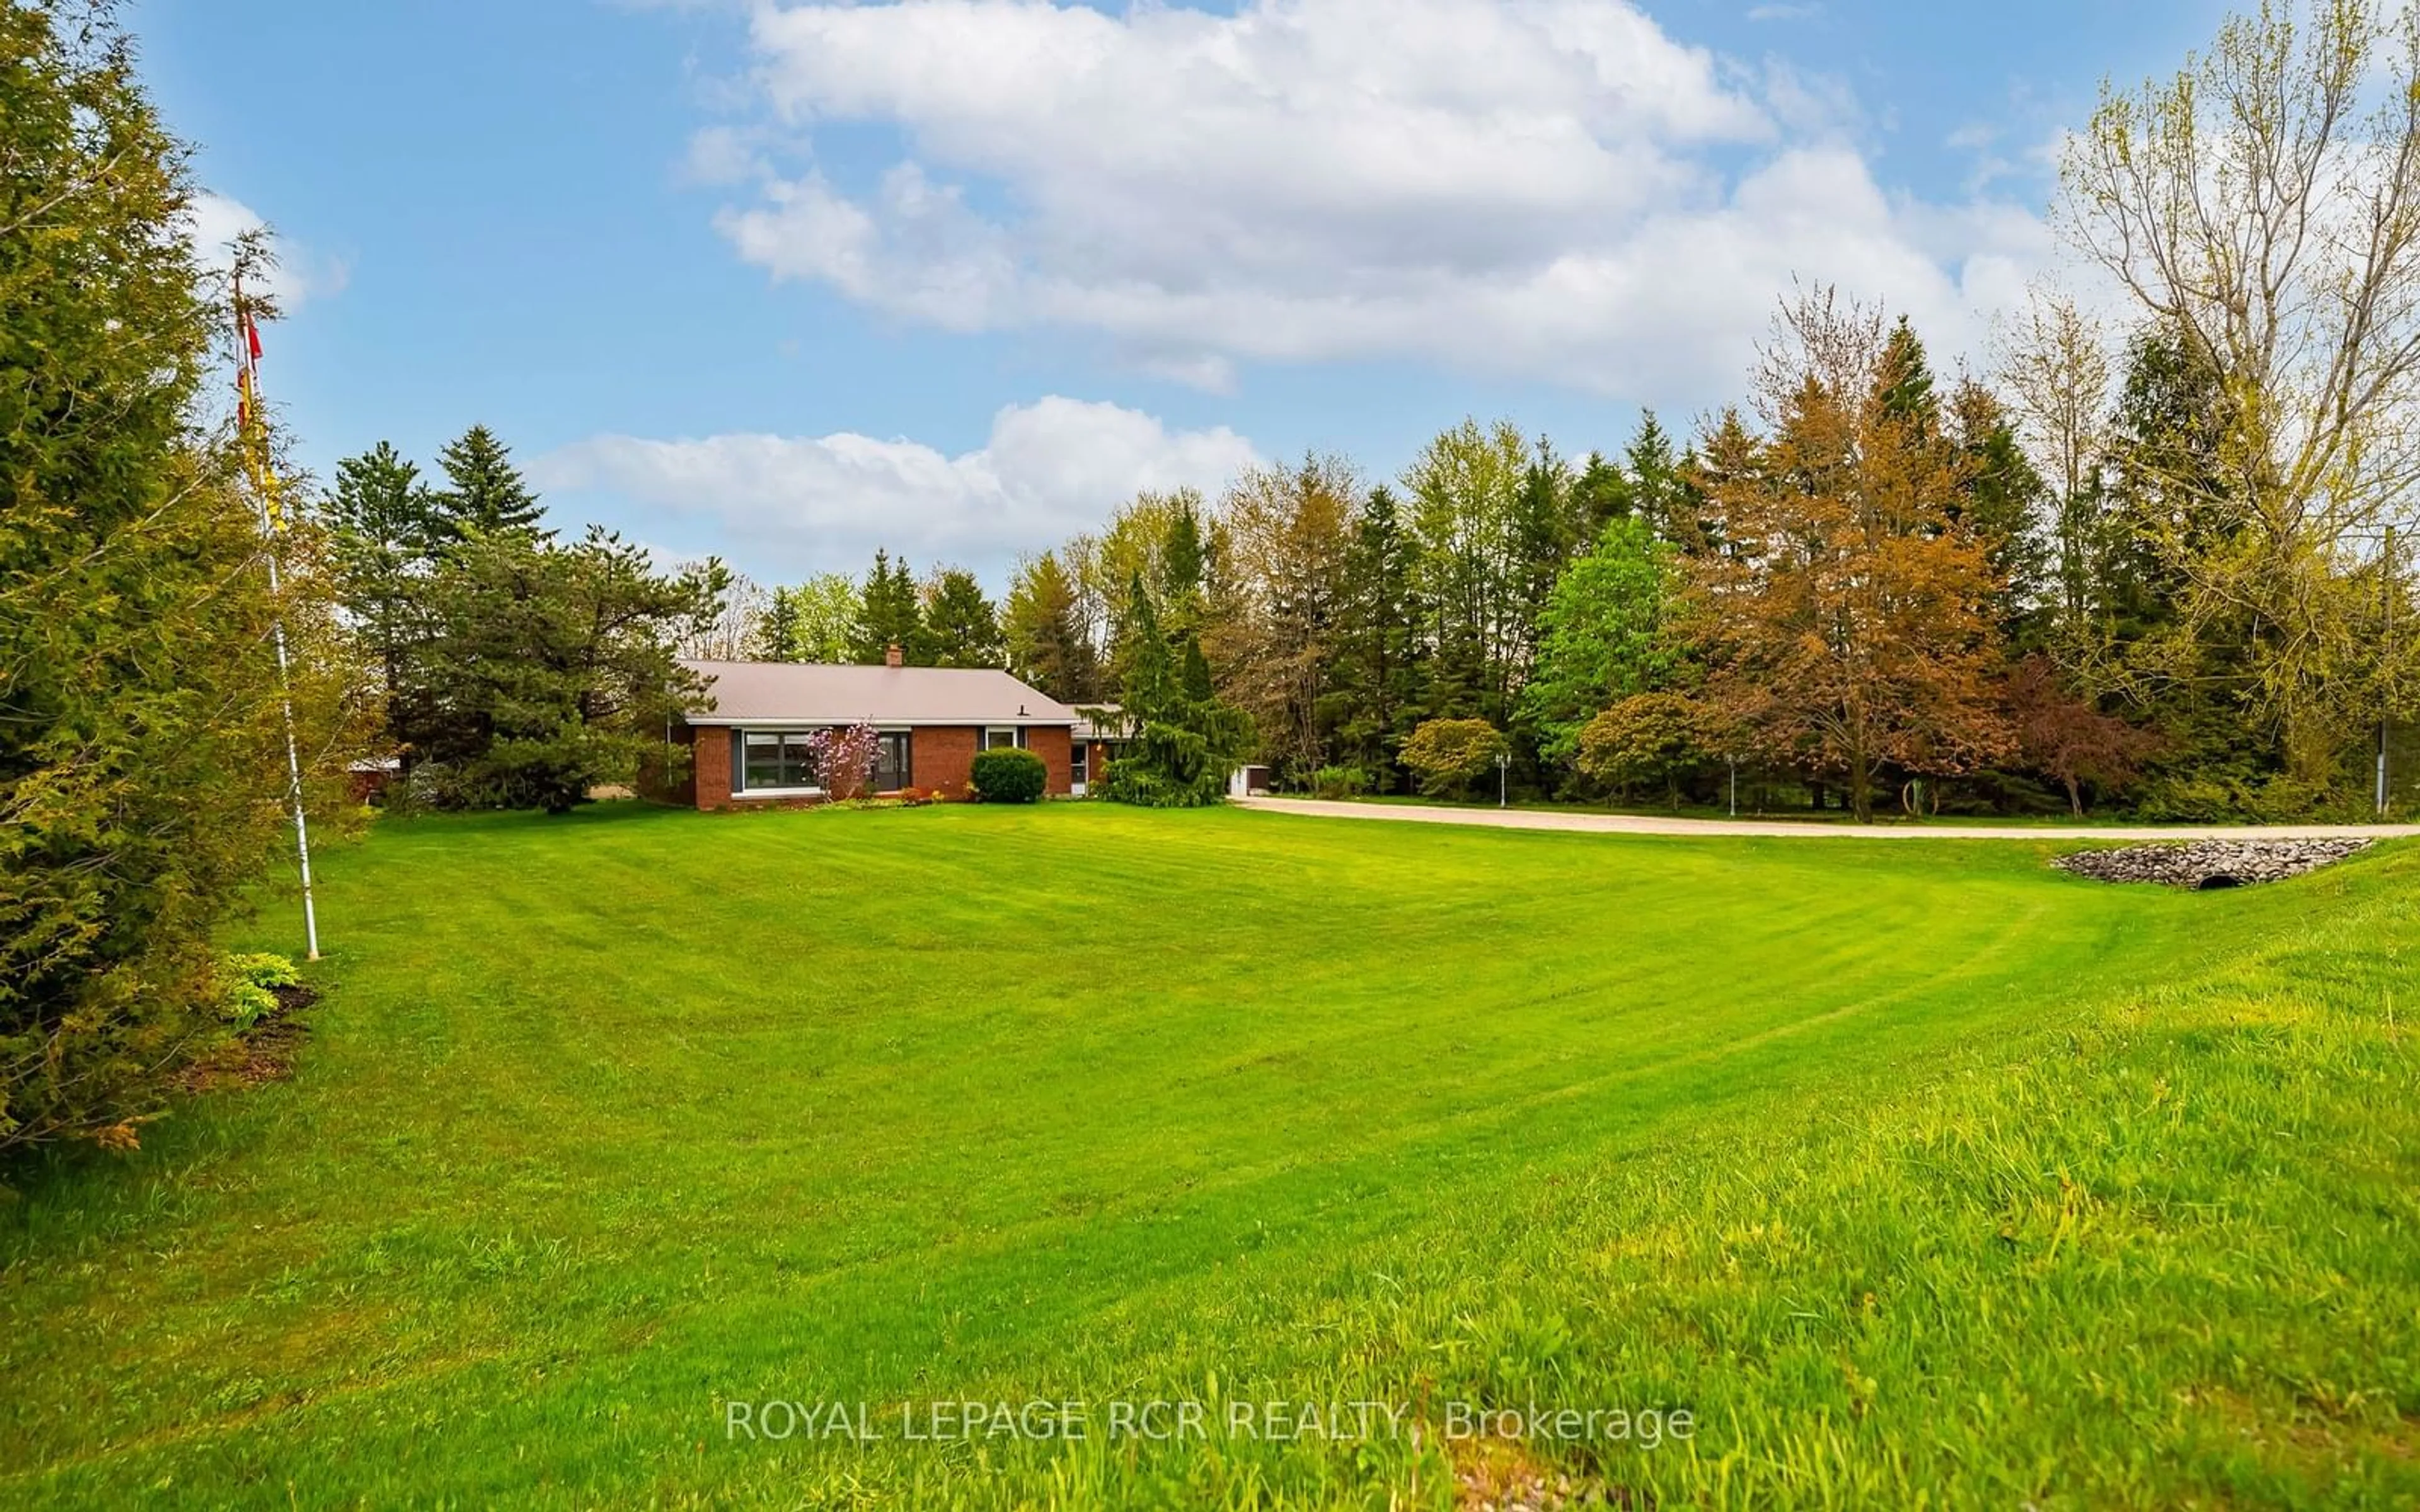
(1503, 769)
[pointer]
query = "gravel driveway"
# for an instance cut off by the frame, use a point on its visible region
(1614, 824)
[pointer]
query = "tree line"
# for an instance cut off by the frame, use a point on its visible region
(1861, 585)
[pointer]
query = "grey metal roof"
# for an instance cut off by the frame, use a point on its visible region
(808, 693)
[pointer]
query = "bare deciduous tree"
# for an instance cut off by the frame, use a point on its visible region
(2264, 205)
(2055, 370)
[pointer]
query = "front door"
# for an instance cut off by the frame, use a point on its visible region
(891, 768)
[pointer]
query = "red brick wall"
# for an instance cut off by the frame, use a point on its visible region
(1052, 743)
(710, 772)
(942, 757)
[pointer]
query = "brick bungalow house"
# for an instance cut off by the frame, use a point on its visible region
(751, 746)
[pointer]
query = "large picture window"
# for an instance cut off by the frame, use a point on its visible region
(775, 759)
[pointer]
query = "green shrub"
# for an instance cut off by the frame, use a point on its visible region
(2224, 797)
(1340, 783)
(262, 969)
(1009, 776)
(246, 981)
(1657, 738)
(1448, 755)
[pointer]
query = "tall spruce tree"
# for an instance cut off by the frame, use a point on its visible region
(960, 623)
(1906, 380)
(1185, 562)
(1185, 742)
(384, 523)
(484, 491)
(1659, 487)
(893, 615)
(777, 628)
(2004, 503)
(1379, 645)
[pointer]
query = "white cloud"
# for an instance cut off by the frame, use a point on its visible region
(795, 503)
(213, 225)
(1540, 187)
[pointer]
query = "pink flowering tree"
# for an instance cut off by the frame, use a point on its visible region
(845, 756)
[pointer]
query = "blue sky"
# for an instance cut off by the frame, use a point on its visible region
(788, 281)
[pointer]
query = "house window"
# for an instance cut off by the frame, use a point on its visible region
(890, 764)
(1077, 751)
(999, 738)
(776, 759)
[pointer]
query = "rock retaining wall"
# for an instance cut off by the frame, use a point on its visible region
(2209, 863)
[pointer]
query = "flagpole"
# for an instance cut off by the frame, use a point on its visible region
(257, 463)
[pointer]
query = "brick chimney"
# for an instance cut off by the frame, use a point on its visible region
(892, 655)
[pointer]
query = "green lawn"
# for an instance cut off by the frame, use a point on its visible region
(1916, 1173)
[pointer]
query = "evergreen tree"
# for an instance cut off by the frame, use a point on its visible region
(1185, 743)
(484, 491)
(2171, 507)
(893, 615)
(1184, 562)
(384, 526)
(1599, 495)
(960, 624)
(777, 628)
(2003, 505)
(1378, 642)
(1659, 488)
(556, 666)
(143, 775)
(1546, 532)
(1906, 381)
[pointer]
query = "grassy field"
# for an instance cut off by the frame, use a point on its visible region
(1915, 1174)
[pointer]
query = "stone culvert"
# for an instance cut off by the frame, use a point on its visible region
(2209, 863)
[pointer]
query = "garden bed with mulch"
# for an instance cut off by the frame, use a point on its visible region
(263, 1053)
